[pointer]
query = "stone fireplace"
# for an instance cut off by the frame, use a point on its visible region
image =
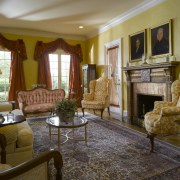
(146, 84)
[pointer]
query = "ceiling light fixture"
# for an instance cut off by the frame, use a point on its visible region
(81, 27)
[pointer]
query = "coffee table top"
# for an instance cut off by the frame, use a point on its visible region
(16, 119)
(77, 122)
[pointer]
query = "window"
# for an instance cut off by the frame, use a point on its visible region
(5, 61)
(59, 68)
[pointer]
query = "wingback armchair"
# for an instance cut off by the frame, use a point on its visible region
(164, 118)
(99, 96)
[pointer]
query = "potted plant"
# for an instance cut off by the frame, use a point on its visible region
(66, 109)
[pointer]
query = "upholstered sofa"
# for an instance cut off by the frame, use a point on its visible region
(19, 140)
(39, 100)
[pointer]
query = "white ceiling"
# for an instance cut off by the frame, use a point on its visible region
(65, 16)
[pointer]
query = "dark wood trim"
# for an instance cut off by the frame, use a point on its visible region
(28, 165)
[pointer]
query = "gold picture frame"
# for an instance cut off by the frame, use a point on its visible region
(137, 46)
(161, 40)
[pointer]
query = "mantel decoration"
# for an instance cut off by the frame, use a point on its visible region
(66, 109)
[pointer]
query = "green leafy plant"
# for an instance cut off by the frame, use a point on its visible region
(66, 106)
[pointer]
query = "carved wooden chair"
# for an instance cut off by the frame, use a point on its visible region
(36, 168)
(164, 117)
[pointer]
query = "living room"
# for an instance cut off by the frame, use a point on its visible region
(146, 17)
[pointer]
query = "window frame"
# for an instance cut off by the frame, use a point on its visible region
(4, 74)
(60, 52)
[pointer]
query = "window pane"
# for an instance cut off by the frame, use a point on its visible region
(55, 82)
(5, 60)
(65, 66)
(53, 61)
(59, 68)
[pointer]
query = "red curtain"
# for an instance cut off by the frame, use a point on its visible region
(18, 55)
(41, 54)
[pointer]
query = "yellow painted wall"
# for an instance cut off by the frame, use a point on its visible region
(30, 65)
(152, 17)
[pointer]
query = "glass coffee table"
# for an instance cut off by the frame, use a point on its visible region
(78, 122)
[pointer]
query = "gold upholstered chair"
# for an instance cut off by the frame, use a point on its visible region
(165, 117)
(36, 168)
(99, 96)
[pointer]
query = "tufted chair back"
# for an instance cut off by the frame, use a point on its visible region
(40, 95)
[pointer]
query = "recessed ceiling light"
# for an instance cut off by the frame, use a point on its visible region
(81, 27)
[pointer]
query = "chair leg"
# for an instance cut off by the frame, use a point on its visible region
(83, 111)
(109, 110)
(151, 137)
(102, 112)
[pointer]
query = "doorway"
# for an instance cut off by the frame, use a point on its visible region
(113, 62)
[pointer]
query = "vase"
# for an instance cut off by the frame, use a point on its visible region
(66, 116)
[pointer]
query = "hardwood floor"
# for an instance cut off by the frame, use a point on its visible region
(117, 119)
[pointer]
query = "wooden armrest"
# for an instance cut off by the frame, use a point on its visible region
(28, 165)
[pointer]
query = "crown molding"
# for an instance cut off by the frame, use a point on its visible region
(125, 16)
(19, 31)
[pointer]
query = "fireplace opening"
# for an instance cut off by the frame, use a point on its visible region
(145, 103)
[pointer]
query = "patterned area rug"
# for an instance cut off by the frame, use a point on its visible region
(112, 153)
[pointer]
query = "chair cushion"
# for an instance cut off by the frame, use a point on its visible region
(25, 135)
(39, 107)
(93, 104)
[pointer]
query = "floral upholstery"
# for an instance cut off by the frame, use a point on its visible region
(39, 100)
(161, 119)
(99, 96)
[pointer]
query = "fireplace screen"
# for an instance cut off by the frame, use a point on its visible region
(145, 103)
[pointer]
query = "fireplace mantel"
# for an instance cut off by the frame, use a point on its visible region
(154, 79)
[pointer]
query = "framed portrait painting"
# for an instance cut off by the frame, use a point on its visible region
(160, 37)
(137, 46)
